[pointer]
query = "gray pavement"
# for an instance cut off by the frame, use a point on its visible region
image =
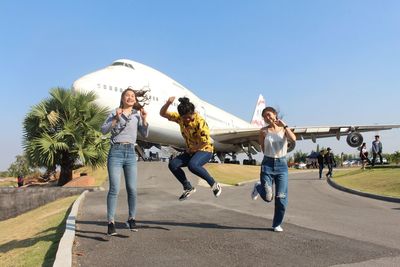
(322, 227)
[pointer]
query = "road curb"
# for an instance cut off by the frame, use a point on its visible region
(64, 251)
(363, 194)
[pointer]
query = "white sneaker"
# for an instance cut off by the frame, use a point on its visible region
(270, 195)
(278, 229)
(254, 193)
(216, 188)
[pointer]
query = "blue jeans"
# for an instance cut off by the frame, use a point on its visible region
(121, 157)
(275, 171)
(195, 163)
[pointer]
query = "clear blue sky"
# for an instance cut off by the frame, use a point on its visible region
(319, 62)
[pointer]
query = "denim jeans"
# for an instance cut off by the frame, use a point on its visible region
(195, 163)
(330, 170)
(275, 171)
(121, 157)
(321, 167)
(374, 155)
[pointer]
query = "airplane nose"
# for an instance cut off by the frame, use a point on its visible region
(82, 85)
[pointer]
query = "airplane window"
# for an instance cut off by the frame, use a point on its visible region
(98, 86)
(123, 64)
(116, 89)
(120, 89)
(105, 86)
(110, 88)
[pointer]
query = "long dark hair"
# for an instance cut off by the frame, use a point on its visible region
(270, 109)
(140, 96)
(185, 106)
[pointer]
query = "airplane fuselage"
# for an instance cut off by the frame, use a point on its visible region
(108, 84)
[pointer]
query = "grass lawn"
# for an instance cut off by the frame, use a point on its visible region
(8, 183)
(32, 238)
(100, 174)
(380, 181)
(232, 173)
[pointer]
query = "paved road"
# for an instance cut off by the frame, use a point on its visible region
(323, 227)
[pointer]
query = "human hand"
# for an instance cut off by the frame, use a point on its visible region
(143, 113)
(118, 113)
(280, 123)
(171, 99)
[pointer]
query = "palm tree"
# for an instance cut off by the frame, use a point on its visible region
(63, 130)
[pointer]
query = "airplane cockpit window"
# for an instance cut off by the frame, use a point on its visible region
(123, 64)
(117, 64)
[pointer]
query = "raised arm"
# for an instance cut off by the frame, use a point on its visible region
(288, 132)
(164, 109)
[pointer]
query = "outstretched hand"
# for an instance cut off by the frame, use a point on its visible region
(171, 99)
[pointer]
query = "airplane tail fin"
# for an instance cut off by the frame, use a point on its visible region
(257, 119)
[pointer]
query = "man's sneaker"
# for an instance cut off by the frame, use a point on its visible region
(269, 194)
(131, 223)
(278, 229)
(216, 188)
(111, 229)
(254, 193)
(187, 193)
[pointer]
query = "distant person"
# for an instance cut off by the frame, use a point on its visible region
(274, 169)
(20, 180)
(364, 155)
(199, 147)
(320, 159)
(330, 162)
(124, 123)
(376, 150)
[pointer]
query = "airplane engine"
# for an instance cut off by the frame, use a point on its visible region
(354, 139)
(291, 145)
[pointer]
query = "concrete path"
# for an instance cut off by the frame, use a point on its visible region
(322, 227)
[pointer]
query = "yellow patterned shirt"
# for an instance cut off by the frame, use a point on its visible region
(196, 133)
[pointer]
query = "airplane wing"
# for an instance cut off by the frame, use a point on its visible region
(250, 135)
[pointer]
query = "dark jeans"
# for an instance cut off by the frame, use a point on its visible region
(330, 168)
(374, 158)
(321, 167)
(195, 163)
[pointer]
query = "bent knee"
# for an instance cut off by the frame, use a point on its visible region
(193, 166)
(172, 166)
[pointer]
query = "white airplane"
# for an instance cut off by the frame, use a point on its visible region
(231, 134)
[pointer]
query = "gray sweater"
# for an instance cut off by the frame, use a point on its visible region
(125, 130)
(376, 147)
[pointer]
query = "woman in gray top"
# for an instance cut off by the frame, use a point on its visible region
(124, 123)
